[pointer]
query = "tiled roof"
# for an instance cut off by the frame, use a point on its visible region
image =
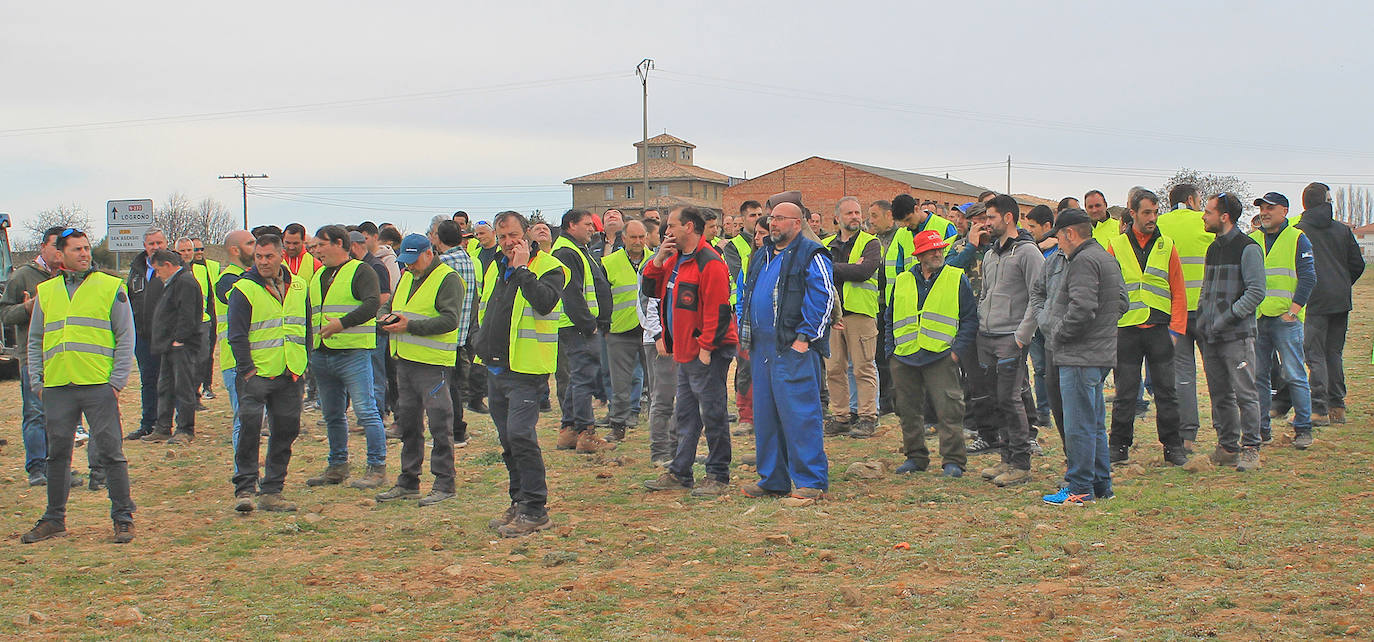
(666, 139)
(659, 169)
(935, 183)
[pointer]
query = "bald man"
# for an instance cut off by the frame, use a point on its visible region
(238, 245)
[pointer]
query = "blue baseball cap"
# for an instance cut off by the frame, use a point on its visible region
(1272, 198)
(411, 247)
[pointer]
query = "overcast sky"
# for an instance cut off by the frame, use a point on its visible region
(495, 105)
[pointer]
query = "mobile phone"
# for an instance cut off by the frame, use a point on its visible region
(391, 318)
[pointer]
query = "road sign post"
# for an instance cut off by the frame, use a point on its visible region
(126, 222)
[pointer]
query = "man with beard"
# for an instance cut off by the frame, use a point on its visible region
(856, 257)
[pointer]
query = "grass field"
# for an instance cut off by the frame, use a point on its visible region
(1284, 553)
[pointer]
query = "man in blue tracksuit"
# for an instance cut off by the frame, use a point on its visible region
(785, 305)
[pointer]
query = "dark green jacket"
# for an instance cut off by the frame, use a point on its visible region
(12, 312)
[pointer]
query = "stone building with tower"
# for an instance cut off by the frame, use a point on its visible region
(674, 177)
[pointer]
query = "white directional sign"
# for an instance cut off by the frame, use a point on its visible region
(127, 221)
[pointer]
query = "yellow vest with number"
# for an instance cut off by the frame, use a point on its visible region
(226, 355)
(624, 280)
(419, 304)
(1190, 236)
(860, 297)
(1148, 288)
(533, 336)
(932, 324)
(202, 273)
(335, 304)
(1280, 272)
(276, 332)
(588, 284)
(78, 340)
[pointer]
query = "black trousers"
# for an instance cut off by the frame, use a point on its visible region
(1155, 347)
(514, 401)
(1323, 343)
(458, 390)
(424, 395)
(281, 398)
(178, 382)
(476, 379)
(1006, 363)
(207, 355)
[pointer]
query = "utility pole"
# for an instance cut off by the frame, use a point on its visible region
(243, 180)
(1009, 174)
(642, 70)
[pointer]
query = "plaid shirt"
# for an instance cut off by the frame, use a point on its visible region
(458, 259)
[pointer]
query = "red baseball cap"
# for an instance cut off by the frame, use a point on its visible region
(926, 241)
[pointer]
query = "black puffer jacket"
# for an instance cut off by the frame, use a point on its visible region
(1339, 263)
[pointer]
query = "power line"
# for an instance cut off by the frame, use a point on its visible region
(284, 109)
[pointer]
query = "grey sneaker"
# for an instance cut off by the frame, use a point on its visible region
(1302, 441)
(435, 496)
(1249, 459)
(1035, 449)
(710, 487)
(397, 492)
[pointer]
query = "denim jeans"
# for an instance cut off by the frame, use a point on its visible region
(1284, 339)
(230, 378)
(35, 438)
(344, 375)
(148, 372)
(1085, 430)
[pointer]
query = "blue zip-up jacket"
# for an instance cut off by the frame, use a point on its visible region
(803, 295)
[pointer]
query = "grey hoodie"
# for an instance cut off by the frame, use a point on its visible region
(1010, 269)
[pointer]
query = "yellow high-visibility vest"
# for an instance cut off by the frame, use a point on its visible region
(745, 249)
(533, 336)
(226, 355)
(588, 283)
(932, 324)
(624, 280)
(438, 349)
(203, 274)
(1280, 273)
(276, 331)
(1148, 288)
(336, 303)
(78, 338)
(1190, 236)
(860, 297)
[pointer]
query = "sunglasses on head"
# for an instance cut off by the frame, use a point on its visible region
(199, 249)
(68, 232)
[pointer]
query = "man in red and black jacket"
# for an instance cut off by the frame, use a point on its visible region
(693, 287)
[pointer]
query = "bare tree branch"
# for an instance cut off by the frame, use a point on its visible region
(72, 215)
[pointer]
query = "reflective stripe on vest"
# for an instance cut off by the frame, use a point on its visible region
(896, 259)
(624, 280)
(1280, 272)
(78, 339)
(588, 284)
(276, 329)
(861, 297)
(336, 303)
(202, 275)
(533, 336)
(745, 251)
(932, 324)
(1190, 236)
(1148, 288)
(419, 304)
(226, 355)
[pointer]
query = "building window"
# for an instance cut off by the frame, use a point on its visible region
(629, 191)
(610, 193)
(684, 153)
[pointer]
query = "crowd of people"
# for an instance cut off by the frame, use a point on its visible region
(939, 315)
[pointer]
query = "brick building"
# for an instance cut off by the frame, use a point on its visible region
(823, 182)
(674, 177)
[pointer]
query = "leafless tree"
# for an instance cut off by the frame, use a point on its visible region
(1209, 185)
(66, 215)
(216, 220)
(177, 217)
(1354, 205)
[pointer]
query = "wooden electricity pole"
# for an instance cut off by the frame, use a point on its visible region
(243, 180)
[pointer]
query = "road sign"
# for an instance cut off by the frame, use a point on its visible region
(127, 221)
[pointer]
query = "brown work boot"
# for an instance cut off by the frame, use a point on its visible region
(243, 502)
(273, 503)
(835, 426)
(755, 491)
(1013, 477)
(588, 443)
(617, 433)
(864, 428)
(333, 474)
(1248, 460)
(1337, 415)
(802, 497)
(524, 525)
(1317, 420)
(668, 481)
(373, 478)
(710, 487)
(123, 532)
(157, 436)
(180, 438)
(507, 517)
(1224, 457)
(567, 438)
(44, 529)
(992, 472)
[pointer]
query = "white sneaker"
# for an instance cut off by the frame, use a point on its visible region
(81, 437)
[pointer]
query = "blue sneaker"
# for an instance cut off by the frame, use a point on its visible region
(1066, 498)
(953, 470)
(910, 466)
